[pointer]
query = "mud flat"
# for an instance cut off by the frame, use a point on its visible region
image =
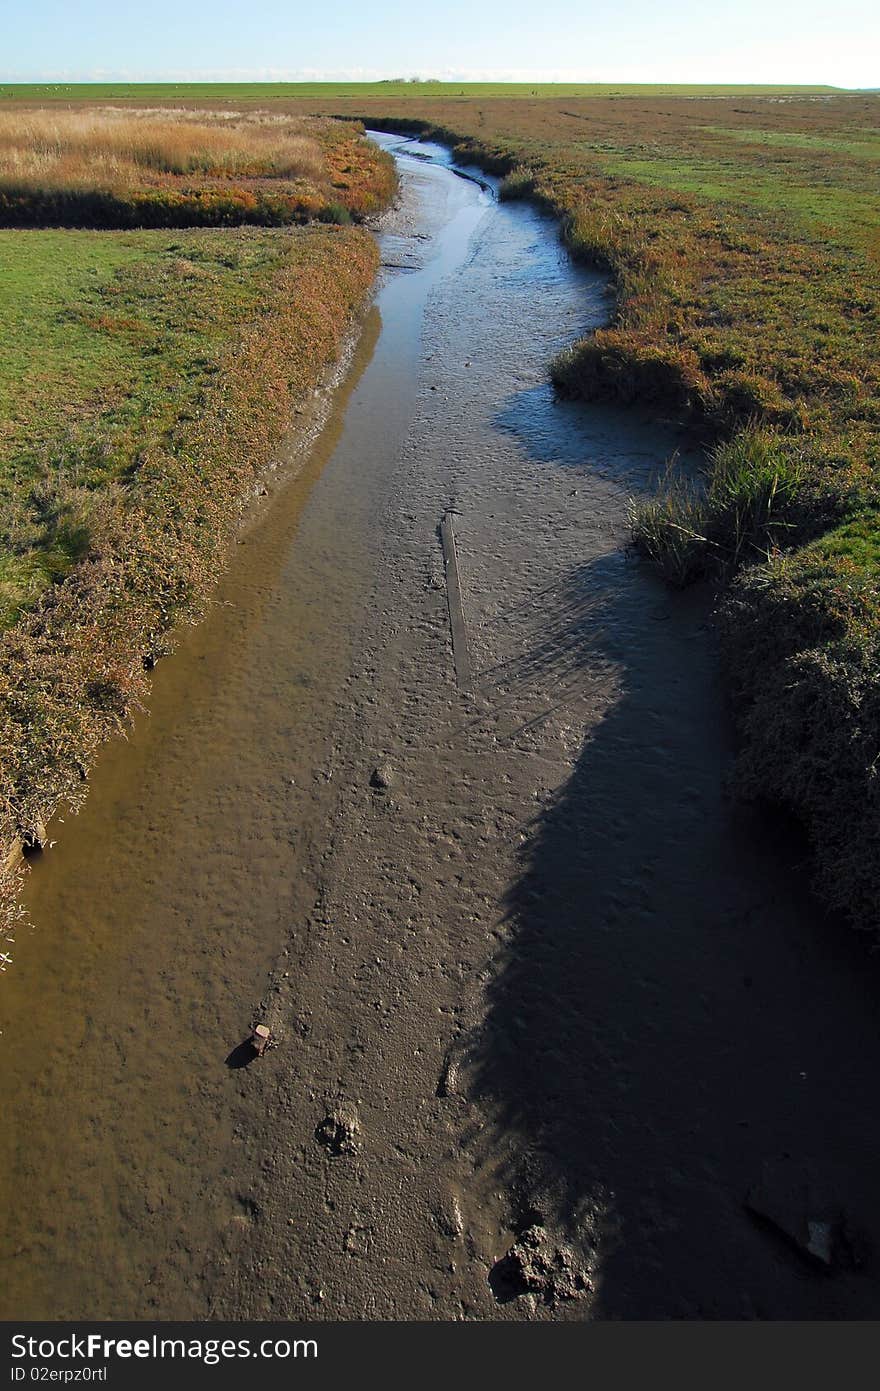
(547, 1002)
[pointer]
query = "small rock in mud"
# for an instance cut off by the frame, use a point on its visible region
(382, 777)
(339, 1132)
(535, 1264)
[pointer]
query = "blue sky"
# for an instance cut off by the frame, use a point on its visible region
(543, 40)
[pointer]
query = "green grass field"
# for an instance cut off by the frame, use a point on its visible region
(165, 93)
(94, 322)
(109, 340)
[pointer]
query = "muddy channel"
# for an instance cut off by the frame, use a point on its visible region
(549, 1003)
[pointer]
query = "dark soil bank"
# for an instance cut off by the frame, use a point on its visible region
(548, 1004)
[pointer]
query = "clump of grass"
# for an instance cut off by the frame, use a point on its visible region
(754, 486)
(736, 396)
(612, 365)
(519, 183)
(670, 528)
(748, 507)
(45, 531)
(336, 213)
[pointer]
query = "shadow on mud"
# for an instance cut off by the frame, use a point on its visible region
(241, 1056)
(651, 1034)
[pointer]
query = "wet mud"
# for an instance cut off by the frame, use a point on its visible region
(547, 1001)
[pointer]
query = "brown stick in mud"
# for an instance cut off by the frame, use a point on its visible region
(460, 650)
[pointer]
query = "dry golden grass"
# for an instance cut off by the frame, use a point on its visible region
(121, 149)
(109, 167)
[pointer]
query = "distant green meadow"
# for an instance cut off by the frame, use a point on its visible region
(306, 91)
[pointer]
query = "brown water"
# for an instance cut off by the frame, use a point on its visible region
(552, 969)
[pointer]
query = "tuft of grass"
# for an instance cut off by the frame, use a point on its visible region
(754, 501)
(519, 183)
(336, 213)
(755, 482)
(670, 528)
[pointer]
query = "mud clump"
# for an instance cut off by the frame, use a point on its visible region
(382, 777)
(339, 1132)
(538, 1265)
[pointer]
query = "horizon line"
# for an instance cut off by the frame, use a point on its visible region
(105, 81)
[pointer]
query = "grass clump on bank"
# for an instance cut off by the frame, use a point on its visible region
(148, 168)
(519, 183)
(763, 492)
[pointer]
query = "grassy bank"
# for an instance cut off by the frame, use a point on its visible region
(741, 231)
(111, 344)
(145, 378)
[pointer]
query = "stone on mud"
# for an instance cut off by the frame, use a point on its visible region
(382, 777)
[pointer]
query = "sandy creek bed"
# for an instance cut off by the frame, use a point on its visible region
(550, 985)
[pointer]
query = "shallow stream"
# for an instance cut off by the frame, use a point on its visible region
(698, 1015)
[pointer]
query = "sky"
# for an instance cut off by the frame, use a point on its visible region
(709, 41)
